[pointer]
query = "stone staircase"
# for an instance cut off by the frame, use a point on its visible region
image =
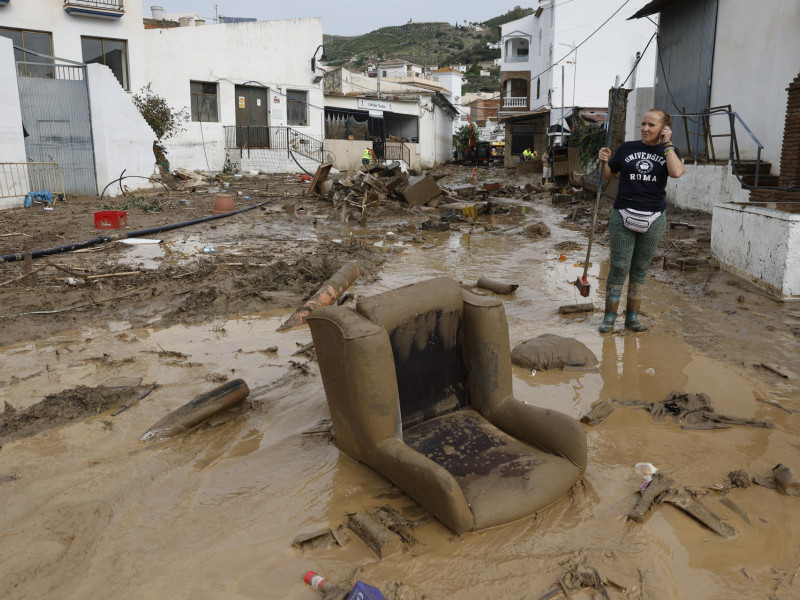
(747, 171)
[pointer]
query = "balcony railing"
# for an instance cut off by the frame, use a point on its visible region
(515, 102)
(516, 58)
(105, 9)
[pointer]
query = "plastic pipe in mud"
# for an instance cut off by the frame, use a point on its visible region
(326, 295)
(498, 287)
(198, 410)
(114, 237)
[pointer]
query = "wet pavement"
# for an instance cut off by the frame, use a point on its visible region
(95, 513)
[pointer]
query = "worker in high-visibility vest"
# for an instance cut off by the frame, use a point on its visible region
(527, 154)
(366, 156)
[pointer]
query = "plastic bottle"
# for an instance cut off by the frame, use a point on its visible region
(318, 582)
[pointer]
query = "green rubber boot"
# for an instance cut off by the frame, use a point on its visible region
(634, 302)
(613, 293)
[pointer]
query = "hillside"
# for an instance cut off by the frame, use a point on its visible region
(421, 43)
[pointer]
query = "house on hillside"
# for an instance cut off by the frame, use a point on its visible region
(706, 71)
(399, 68)
(67, 71)
(412, 121)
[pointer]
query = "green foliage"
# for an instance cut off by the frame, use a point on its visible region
(163, 120)
(229, 167)
(588, 138)
(461, 138)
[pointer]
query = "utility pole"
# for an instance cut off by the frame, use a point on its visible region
(378, 74)
(216, 14)
(562, 105)
(574, 63)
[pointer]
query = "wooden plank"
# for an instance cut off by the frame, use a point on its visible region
(660, 484)
(694, 508)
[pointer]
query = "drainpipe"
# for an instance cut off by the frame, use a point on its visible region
(562, 105)
(378, 73)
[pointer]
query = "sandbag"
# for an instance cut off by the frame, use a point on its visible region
(549, 351)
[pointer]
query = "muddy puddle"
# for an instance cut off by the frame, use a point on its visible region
(89, 511)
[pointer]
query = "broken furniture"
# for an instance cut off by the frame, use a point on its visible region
(418, 382)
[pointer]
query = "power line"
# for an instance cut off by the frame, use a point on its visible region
(614, 14)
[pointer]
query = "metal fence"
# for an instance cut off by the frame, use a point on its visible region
(253, 137)
(397, 151)
(20, 179)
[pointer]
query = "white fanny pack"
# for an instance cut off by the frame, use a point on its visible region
(638, 220)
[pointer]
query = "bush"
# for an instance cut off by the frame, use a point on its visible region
(163, 120)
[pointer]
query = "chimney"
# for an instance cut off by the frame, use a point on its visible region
(185, 21)
(157, 13)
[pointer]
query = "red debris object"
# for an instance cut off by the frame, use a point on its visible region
(110, 219)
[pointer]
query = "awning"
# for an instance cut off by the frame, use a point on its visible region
(651, 8)
(524, 116)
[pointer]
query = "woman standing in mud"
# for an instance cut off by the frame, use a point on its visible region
(637, 220)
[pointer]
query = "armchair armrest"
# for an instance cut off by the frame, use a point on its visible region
(427, 482)
(357, 365)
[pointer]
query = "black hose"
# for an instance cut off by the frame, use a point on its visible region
(121, 177)
(298, 164)
(114, 237)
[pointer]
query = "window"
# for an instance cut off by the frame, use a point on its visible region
(36, 41)
(297, 108)
(204, 101)
(111, 53)
(540, 41)
(538, 87)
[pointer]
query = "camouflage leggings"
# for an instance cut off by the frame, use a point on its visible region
(632, 252)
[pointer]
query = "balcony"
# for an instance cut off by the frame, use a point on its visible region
(103, 9)
(515, 102)
(516, 59)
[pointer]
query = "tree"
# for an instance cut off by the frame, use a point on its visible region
(163, 120)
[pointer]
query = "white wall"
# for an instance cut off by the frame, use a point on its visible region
(12, 144)
(640, 100)
(703, 186)
(276, 54)
(752, 70)
(66, 30)
(122, 138)
(759, 243)
(347, 153)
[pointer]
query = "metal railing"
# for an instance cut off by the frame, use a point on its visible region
(515, 102)
(733, 117)
(110, 5)
(255, 137)
(397, 151)
(20, 179)
(51, 70)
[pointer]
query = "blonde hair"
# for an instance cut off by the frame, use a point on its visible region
(666, 119)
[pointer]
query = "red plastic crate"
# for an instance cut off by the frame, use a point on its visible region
(110, 219)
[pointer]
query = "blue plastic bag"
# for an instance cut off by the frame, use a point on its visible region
(362, 591)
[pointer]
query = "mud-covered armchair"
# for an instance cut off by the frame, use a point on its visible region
(418, 381)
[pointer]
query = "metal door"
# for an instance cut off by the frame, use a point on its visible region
(55, 113)
(252, 129)
(686, 53)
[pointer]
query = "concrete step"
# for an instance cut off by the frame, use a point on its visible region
(763, 180)
(748, 167)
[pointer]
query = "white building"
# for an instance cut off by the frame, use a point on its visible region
(92, 147)
(250, 84)
(451, 80)
(242, 100)
(400, 68)
(534, 48)
(407, 121)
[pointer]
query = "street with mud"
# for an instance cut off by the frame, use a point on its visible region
(91, 511)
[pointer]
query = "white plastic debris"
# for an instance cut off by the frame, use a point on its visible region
(646, 470)
(650, 371)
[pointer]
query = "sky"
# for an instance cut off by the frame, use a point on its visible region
(610, 52)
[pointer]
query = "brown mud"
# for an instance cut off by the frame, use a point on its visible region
(91, 512)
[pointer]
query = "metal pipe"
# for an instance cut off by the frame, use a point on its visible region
(114, 237)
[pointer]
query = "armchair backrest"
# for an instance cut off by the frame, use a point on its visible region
(424, 323)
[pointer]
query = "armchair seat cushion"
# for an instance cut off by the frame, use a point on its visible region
(502, 478)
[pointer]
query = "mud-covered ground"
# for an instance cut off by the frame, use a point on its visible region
(90, 511)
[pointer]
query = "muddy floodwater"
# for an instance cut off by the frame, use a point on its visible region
(89, 511)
